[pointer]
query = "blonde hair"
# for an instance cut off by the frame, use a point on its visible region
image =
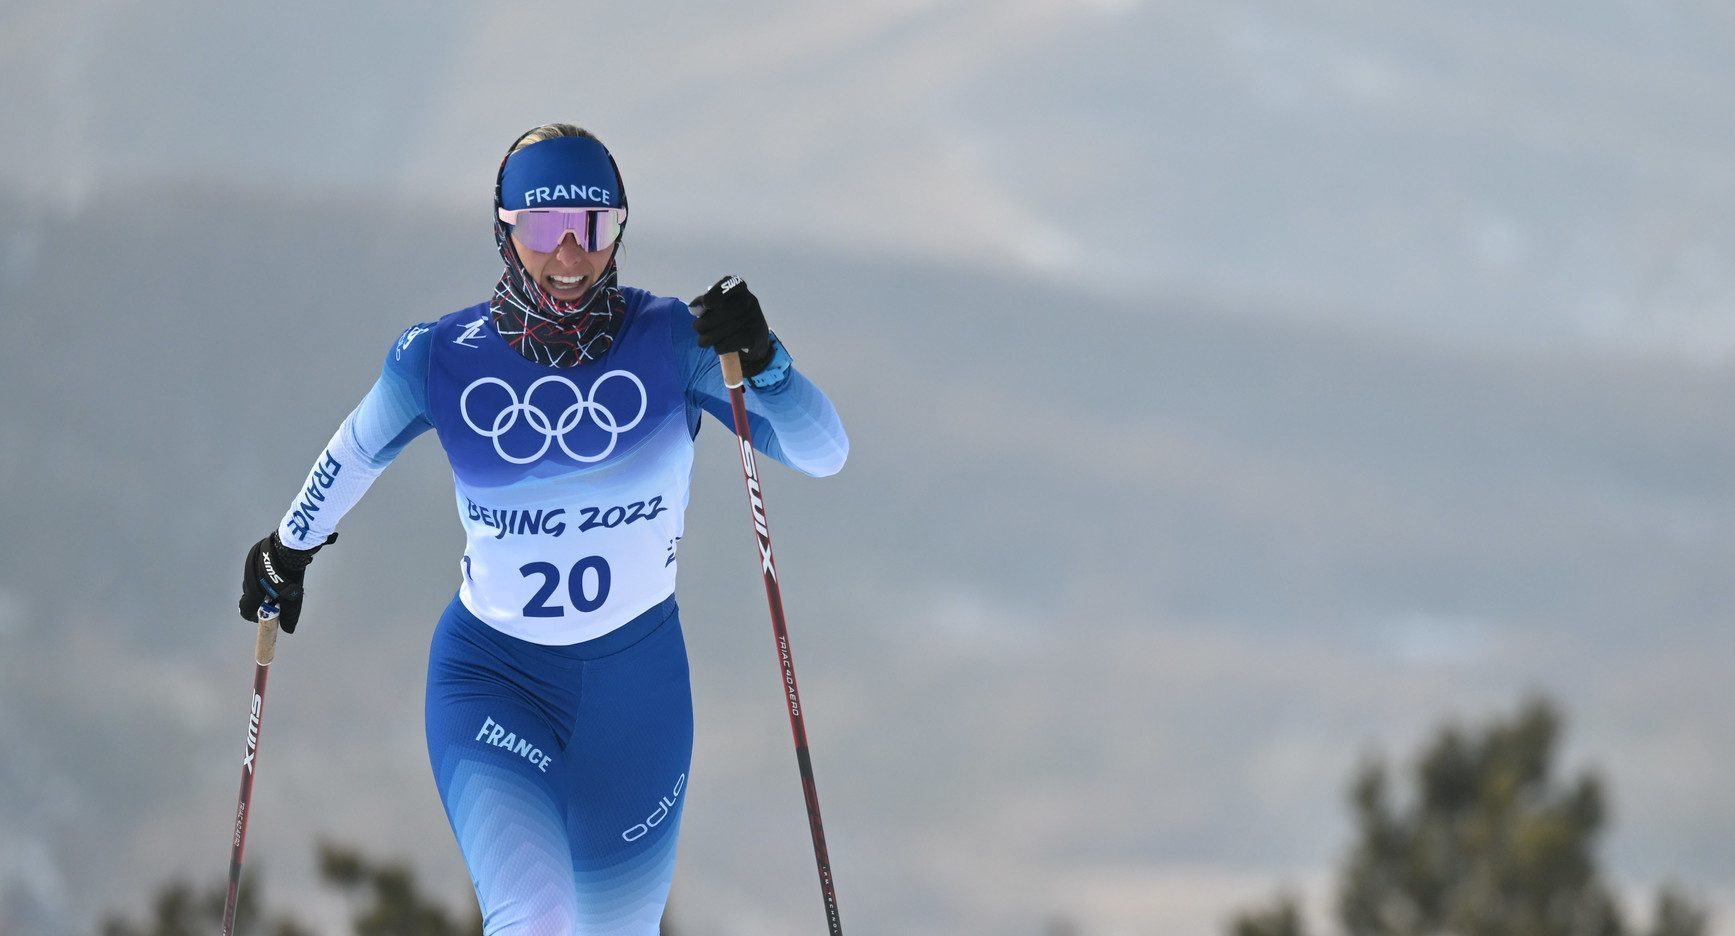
(550, 131)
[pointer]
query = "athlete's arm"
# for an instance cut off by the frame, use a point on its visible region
(392, 413)
(792, 420)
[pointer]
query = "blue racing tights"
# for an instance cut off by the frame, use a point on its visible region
(563, 770)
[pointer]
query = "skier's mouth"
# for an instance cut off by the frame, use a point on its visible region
(566, 287)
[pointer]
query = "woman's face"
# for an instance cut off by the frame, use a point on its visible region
(568, 271)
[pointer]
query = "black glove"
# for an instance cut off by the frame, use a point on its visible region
(730, 320)
(274, 573)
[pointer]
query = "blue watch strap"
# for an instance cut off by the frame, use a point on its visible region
(776, 371)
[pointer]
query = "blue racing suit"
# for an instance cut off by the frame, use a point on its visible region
(558, 708)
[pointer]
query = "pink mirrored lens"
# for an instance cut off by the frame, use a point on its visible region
(542, 231)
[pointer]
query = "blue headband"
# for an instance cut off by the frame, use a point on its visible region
(563, 172)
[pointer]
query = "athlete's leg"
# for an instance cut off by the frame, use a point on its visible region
(628, 757)
(596, 771)
(497, 760)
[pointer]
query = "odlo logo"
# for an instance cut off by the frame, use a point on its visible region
(642, 829)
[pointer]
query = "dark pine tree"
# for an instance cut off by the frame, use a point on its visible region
(1490, 843)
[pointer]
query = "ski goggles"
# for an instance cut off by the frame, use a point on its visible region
(542, 229)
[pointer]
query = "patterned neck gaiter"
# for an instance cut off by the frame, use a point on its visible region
(545, 329)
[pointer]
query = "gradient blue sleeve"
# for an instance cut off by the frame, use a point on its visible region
(791, 419)
(392, 413)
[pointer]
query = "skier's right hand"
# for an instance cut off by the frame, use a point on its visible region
(274, 573)
(730, 320)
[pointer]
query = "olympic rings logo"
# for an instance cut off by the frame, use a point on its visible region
(554, 431)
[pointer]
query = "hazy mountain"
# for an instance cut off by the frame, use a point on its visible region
(1097, 619)
(1545, 174)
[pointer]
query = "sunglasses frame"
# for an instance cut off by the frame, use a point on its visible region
(617, 215)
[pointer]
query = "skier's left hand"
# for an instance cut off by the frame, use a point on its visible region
(730, 320)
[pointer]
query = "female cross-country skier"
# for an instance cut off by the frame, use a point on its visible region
(558, 711)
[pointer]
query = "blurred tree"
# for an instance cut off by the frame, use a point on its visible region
(384, 895)
(388, 900)
(1675, 916)
(1492, 844)
(1282, 918)
(178, 911)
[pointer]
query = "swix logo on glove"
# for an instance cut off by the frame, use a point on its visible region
(271, 570)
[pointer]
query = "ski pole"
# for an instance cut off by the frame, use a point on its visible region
(264, 651)
(774, 597)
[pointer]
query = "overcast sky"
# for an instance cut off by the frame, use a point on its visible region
(1236, 389)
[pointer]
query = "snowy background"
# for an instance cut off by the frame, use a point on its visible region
(1236, 389)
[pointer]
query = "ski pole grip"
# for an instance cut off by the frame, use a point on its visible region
(732, 369)
(731, 360)
(265, 647)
